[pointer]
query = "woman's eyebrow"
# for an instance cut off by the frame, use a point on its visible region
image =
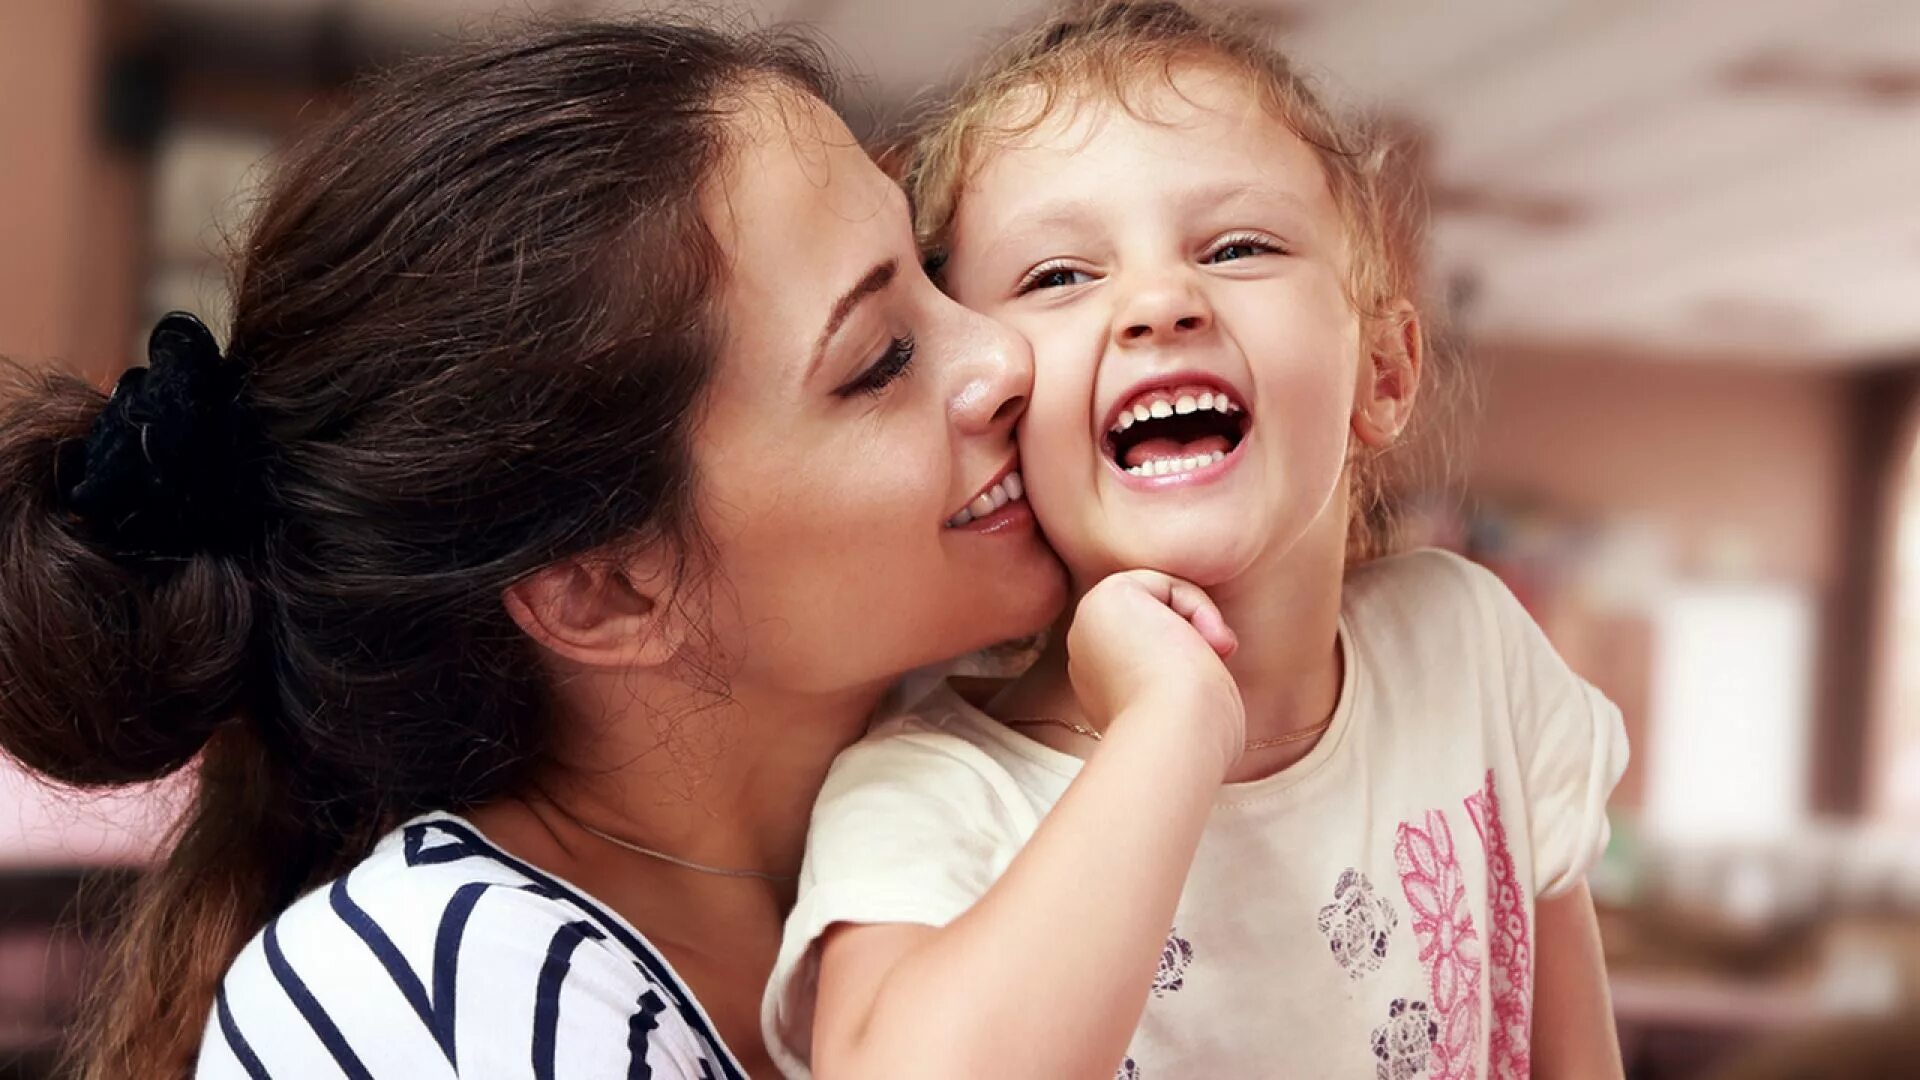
(872, 282)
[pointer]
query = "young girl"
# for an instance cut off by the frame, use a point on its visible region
(1391, 879)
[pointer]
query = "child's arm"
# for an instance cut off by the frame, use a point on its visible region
(1573, 1034)
(1047, 975)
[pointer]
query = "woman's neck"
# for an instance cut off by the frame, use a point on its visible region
(721, 781)
(726, 784)
(1286, 615)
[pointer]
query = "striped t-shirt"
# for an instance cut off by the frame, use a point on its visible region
(442, 956)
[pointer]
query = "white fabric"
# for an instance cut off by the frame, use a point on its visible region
(1343, 917)
(440, 955)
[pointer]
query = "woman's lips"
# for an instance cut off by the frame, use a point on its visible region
(1013, 515)
(1006, 489)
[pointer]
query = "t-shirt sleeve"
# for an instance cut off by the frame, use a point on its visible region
(912, 826)
(1571, 743)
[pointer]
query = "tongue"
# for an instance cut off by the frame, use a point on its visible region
(1172, 449)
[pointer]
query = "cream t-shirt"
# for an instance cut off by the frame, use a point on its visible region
(1368, 910)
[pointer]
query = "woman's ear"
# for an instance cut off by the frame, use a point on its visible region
(1389, 380)
(601, 612)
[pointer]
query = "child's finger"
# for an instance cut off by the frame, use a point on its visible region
(1192, 603)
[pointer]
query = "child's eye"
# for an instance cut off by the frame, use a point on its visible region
(1050, 275)
(890, 366)
(1233, 248)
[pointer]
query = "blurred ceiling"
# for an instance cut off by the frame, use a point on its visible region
(1730, 179)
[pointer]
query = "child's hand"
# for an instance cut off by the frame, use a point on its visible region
(1144, 640)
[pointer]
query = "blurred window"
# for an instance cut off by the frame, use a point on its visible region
(1899, 759)
(1731, 703)
(206, 182)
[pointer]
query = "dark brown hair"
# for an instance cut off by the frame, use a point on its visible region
(473, 320)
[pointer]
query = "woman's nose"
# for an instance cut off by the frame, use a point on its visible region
(1160, 312)
(995, 375)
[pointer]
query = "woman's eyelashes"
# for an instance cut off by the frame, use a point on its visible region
(890, 366)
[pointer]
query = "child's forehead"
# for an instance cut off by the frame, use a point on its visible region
(1198, 142)
(1183, 97)
(1212, 123)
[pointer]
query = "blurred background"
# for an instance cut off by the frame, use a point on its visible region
(1676, 249)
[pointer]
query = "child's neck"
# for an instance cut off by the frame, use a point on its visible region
(1286, 615)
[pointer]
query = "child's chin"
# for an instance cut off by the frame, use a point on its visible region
(1202, 556)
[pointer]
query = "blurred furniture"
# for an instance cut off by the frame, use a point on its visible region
(1699, 995)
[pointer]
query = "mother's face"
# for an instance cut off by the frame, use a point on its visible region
(854, 412)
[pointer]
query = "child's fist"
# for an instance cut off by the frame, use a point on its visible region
(1143, 639)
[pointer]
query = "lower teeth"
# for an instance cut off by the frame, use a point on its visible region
(1170, 466)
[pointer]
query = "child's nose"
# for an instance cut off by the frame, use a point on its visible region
(1161, 312)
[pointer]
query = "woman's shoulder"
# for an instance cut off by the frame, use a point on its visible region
(443, 955)
(424, 886)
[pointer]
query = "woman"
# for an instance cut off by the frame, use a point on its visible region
(587, 457)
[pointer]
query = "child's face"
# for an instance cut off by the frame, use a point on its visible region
(1157, 267)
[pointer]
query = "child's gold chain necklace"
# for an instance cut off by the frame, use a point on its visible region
(1255, 744)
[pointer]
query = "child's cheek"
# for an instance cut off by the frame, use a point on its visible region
(1053, 441)
(1057, 457)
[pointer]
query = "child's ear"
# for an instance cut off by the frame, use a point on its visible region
(603, 612)
(1389, 380)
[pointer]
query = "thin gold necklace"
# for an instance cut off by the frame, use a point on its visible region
(689, 864)
(1255, 744)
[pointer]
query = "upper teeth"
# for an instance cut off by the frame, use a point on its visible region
(1009, 489)
(1169, 466)
(1159, 404)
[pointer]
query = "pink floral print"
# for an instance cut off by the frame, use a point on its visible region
(1449, 947)
(1509, 952)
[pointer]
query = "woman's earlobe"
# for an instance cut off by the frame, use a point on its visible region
(598, 614)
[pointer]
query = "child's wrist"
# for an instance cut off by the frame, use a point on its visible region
(1181, 725)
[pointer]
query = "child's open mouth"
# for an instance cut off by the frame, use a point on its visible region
(1174, 429)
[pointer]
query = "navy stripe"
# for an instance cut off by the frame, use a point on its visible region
(641, 951)
(546, 996)
(413, 842)
(237, 1042)
(435, 1012)
(446, 962)
(309, 1007)
(639, 1027)
(383, 950)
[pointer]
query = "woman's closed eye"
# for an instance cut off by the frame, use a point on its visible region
(876, 376)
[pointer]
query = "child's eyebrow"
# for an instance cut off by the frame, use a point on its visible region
(1235, 192)
(1047, 217)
